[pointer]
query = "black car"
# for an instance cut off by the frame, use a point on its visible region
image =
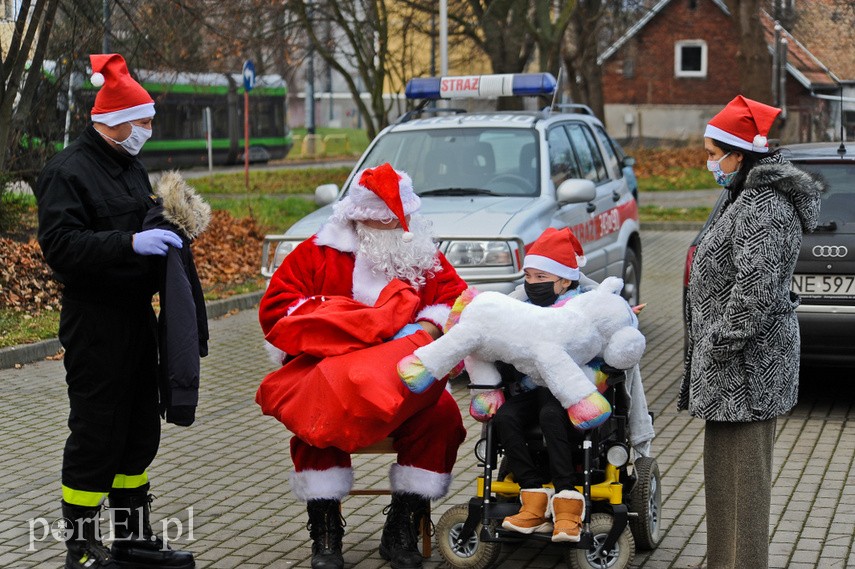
(825, 272)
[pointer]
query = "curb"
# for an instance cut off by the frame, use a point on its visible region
(671, 225)
(14, 356)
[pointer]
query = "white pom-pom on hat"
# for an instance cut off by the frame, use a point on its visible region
(760, 141)
(97, 79)
(407, 236)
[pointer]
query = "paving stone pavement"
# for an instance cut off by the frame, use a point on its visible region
(225, 479)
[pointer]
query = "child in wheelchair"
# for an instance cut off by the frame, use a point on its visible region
(520, 408)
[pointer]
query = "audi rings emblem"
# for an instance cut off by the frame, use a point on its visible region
(836, 251)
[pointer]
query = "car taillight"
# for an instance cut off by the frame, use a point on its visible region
(690, 254)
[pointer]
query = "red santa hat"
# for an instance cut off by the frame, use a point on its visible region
(743, 123)
(380, 194)
(556, 251)
(120, 98)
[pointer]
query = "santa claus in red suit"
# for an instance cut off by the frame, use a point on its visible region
(368, 287)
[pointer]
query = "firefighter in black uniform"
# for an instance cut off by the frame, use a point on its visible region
(92, 199)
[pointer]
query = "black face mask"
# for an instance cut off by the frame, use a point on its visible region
(541, 294)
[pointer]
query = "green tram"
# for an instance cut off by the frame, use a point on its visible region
(180, 125)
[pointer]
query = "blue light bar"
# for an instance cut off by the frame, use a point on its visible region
(481, 86)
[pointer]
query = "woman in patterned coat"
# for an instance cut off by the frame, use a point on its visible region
(742, 363)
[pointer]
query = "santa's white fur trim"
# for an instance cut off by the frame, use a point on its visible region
(275, 355)
(340, 235)
(360, 203)
(424, 483)
(367, 283)
(331, 484)
(436, 314)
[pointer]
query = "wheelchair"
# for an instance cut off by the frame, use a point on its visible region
(622, 498)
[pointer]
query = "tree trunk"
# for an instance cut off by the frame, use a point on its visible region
(580, 56)
(753, 59)
(12, 68)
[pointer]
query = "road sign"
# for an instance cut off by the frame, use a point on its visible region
(248, 75)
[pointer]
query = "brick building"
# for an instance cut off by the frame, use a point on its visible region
(674, 69)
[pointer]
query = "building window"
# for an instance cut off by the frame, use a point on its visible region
(690, 58)
(629, 68)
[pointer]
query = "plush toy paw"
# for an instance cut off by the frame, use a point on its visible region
(590, 412)
(457, 308)
(485, 404)
(414, 374)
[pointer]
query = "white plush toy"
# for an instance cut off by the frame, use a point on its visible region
(549, 344)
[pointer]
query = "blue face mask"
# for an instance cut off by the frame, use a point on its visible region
(721, 178)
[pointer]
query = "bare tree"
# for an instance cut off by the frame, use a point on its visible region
(548, 27)
(21, 70)
(358, 52)
(753, 61)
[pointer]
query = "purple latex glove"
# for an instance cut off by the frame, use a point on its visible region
(155, 242)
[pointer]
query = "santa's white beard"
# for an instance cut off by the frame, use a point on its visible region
(387, 253)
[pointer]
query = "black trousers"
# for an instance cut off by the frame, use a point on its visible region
(111, 371)
(517, 416)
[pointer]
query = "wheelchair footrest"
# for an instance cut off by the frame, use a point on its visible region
(586, 538)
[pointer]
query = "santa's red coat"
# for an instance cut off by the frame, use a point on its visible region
(313, 273)
(309, 311)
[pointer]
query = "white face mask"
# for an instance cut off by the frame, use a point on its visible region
(135, 141)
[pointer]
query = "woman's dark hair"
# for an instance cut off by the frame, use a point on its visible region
(749, 160)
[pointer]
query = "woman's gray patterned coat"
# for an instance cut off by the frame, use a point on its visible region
(743, 358)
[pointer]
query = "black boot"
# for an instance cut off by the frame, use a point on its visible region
(135, 544)
(400, 540)
(83, 539)
(326, 527)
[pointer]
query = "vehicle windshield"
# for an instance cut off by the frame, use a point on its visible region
(455, 162)
(838, 202)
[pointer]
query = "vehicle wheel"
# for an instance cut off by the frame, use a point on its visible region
(631, 278)
(618, 558)
(646, 500)
(473, 554)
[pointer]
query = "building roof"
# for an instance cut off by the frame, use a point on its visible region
(806, 68)
(823, 58)
(827, 29)
(651, 13)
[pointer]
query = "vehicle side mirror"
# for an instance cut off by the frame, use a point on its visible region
(628, 161)
(325, 194)
(576, 191)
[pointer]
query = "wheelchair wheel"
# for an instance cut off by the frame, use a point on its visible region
(618, 558)
(646, 500)
(474, 553)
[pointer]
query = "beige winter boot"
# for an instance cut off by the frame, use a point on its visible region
(568, 509)
(533, 514)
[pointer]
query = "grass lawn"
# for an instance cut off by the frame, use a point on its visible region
(286, 181)
(17, 328)
(271, 214)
